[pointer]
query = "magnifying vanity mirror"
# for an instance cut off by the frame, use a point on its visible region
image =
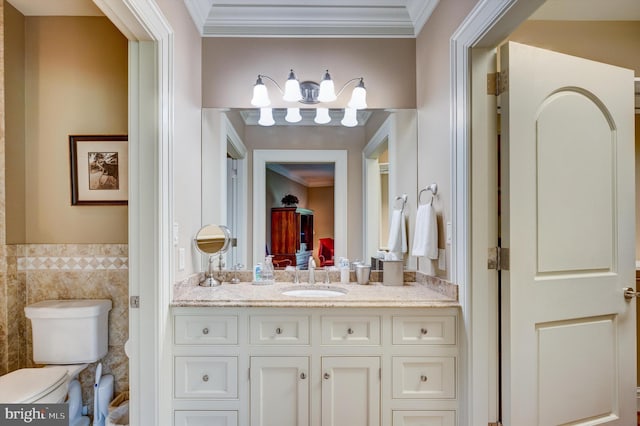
(212, 240)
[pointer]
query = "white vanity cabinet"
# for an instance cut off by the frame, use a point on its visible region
(338, 366)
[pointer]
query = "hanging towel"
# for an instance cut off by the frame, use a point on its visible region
(425, 239)
(397, 242)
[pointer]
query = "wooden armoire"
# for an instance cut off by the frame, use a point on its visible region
(291, 236)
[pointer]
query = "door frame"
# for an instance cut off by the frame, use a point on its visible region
(489, 23)
(151, 265)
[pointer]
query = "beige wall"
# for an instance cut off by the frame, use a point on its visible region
(616, 43)
(231, 66)
(434, 109)
(14, 49)
(76, 83)
(321, 201)
(187, 131)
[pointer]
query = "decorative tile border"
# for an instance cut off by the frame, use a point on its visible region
(73, 263)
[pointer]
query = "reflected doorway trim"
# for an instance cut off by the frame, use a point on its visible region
(371, 179)
(263, 156)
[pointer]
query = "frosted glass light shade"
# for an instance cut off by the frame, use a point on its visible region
(293, 115)
(327, 92)
(358, 97)
(260, 95)
(322, 116)
(349, 119)
(292, 92)
(266, 117)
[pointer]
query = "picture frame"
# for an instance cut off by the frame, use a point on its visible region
(99, 169)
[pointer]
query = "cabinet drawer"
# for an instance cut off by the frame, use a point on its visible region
(205, 330)
(424, 418)
(424, 330)
(206, 377)
(206, 418)
(424, 377)
(348, 330)
(279, 330)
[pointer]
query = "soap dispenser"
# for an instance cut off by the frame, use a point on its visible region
(267, 271)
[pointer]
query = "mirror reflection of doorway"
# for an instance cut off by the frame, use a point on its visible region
(313, 186)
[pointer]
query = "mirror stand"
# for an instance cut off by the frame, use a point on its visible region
(209, 278)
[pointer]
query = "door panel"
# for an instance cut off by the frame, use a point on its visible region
(567, 205)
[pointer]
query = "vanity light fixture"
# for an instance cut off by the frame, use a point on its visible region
(309, 92)
(266, 117)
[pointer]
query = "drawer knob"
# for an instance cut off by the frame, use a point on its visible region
(205, 330)
(278, 330)
(350, 330)
(423, 378)
(303, 376)
(205, 378)
(424, 331)
(327, 376)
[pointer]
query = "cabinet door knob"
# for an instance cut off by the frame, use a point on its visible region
(205, 330)
(303, 376)
(327, 376)
(423, 331)
(350, 330)
(278, 330)
(205, 378)
(423, 378)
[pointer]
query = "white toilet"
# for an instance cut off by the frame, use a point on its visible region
(68, 334)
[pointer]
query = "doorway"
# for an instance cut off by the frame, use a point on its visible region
(505, 18)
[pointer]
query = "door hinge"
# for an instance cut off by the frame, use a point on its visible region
(134, 302)
(497, 82)
(498, 258)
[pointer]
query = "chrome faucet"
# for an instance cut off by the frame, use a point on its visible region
(312, 267)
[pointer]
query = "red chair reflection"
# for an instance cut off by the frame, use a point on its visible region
(325, 251)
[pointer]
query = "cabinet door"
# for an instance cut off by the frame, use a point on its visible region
(279, 391)
(206, 418)
(350, 391)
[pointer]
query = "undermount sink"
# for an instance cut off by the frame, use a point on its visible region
(315, 291)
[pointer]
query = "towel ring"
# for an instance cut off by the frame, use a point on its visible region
(402, 197)
(434, 191)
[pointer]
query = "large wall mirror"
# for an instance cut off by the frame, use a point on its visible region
(370, 164)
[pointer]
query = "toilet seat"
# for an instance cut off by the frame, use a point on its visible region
(27, 385)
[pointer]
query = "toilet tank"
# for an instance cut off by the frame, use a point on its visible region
(69, 331)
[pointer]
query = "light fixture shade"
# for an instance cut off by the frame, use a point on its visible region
(266, 117)
(260, 95)
(322, 116)
(327, 89)
(292, 92)
(293, 115)
(359, 97)
(350, 119)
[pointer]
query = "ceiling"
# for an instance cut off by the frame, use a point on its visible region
(307, 174)
(331, 18)
(311, 18)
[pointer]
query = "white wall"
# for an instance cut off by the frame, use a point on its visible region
(187, 77)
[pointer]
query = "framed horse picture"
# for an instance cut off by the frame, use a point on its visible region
(99, 169)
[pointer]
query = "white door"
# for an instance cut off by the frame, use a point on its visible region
(279, 391)
(350, 391)
(568, 220)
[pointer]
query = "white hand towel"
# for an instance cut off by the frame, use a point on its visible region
(397, 242)
(425, 239)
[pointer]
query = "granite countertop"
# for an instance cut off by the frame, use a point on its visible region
(246, 294)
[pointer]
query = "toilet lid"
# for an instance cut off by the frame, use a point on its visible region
(30, 384)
